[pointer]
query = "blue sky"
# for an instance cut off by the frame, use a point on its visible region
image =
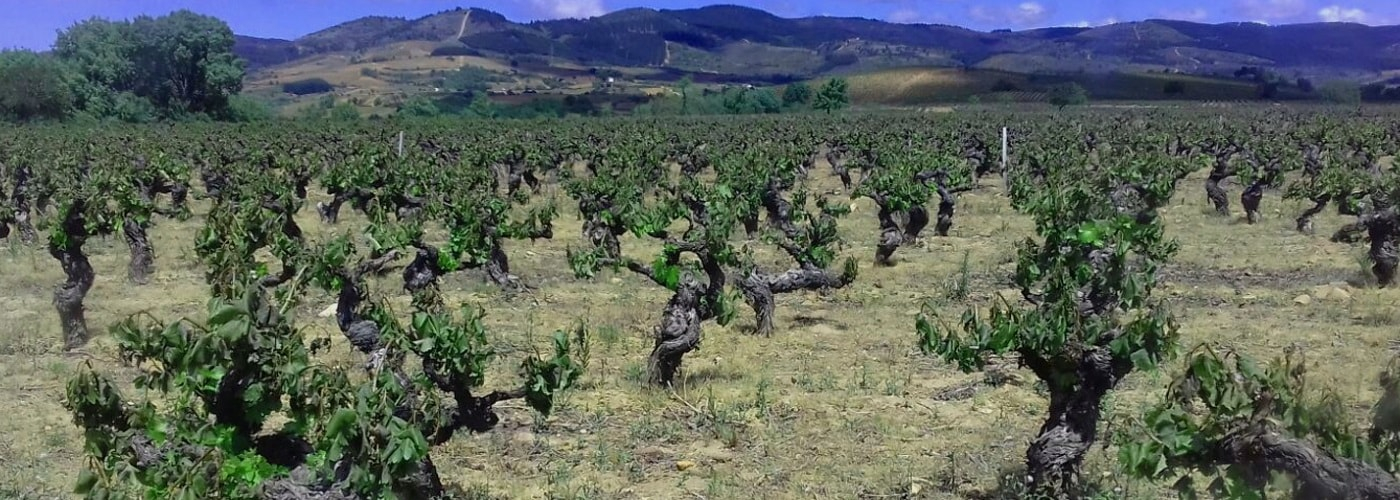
(34, 23)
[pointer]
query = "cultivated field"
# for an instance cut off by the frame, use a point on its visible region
(838, 402)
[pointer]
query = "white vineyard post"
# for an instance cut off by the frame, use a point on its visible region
(1005, 174)
(400, 144)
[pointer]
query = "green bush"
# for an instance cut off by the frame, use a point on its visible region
(308, 86)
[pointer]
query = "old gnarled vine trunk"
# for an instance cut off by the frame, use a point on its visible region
(68, 297)
(678, 333)
(759, 288)
(1054, 456)
(1320, 475)
(142, 256)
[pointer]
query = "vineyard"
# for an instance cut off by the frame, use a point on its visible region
(806, 306)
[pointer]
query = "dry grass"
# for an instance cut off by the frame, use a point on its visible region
(924, 85)
(837, 404)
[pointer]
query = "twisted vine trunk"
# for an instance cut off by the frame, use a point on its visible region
(1250, 199)
(330, 212)
(678, 334)
(835, 158)
(291, 230)
(946, 205)
(420, 279)
(68, 297)
(691, 305)
(892, 236)
(498, 270)
(20, 196)
(1381, 228)
(179, 196)
(603, 236)
(759, 288)
(1305, 220)
(1321, 475)
(1215, 193)
(1054, 457)
(142, 256)
(750, 222)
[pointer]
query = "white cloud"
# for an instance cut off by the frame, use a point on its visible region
(1271, 10)
(1023, 14)
(1094, 24)
(569, 8)
(904, 16)
(1339, 14)
(1195, 15)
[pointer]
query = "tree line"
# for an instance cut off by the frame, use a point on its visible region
(177, 66)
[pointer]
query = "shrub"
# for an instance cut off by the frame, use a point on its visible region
(308, 86)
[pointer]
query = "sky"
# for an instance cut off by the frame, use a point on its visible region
(34, 24)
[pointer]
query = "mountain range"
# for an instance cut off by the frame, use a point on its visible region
(747, 42)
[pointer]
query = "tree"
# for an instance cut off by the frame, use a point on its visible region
(1067, 94)
(832, 96)
(482, 107)
(471, 79)
(1305, 85)
(185, 62)
(308, 86)
(1174, 87)
(244, 109)
(1003, 85)
(345, 112)
(684, 86)
(100, 52)
(1267, 90)
(579, 105)
(797, 94)
(182, 62)
(1340, 92)
(33, 86)
(419, 107)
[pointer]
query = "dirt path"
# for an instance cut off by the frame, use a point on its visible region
(463, 28)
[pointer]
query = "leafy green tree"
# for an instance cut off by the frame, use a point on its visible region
(186, 62)
(1174, 87)
(1340, 92)
(579, 105)
(797, 94)
(245, 109)
(345, 112)
(182, 62)
(308, 86)
(320, 110)
(482, 107)
(33, 86)
(471, 79)
(684, 86)
(131, 108)
(1068, 94)
(765, 101)
(419, 107)
(832, 96)
(100, 51)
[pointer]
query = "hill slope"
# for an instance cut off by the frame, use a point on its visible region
(746, 41)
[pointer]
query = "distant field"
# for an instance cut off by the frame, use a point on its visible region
(915, 86)
(389, 73)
